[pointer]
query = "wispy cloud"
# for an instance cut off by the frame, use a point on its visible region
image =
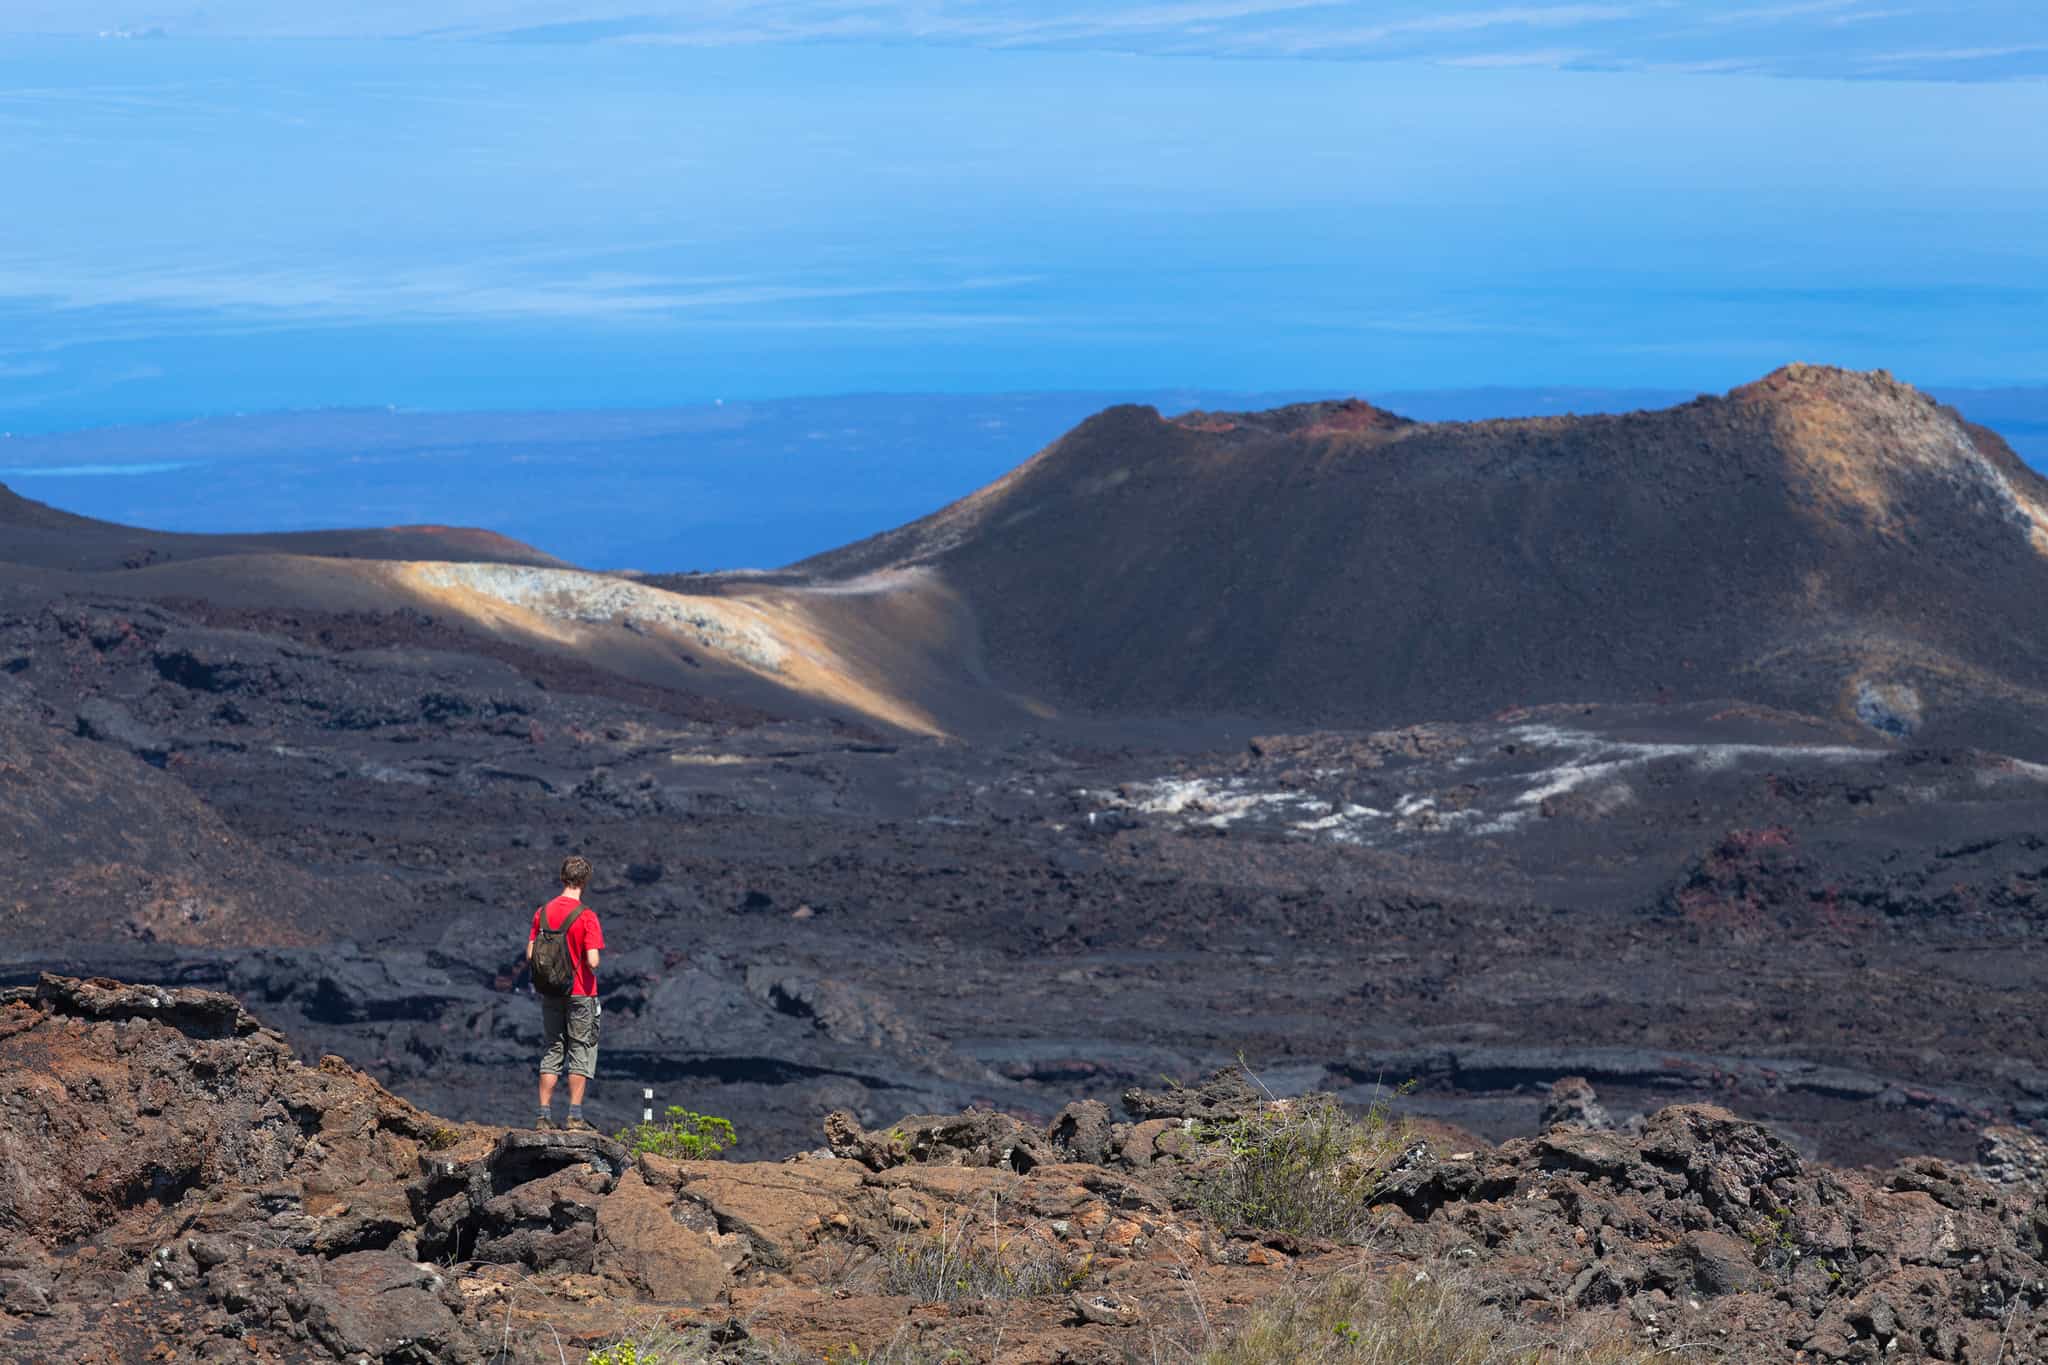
(1779, 14)
(1546, 56)
(315, 296)
(1109, 20)
(76, 385)
(1807, 37)
(1330, 39)
(1200, 23)
(1718, 66)
(1929, 56)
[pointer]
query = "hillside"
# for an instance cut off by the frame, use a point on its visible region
(37, 535)
(1831, 542)
(1828, 543)
(856, 860)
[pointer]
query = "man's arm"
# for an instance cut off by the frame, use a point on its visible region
(589, 955)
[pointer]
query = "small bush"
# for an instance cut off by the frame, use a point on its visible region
(1409, 1319)
(951, 1269)
(655, 1346)
(660, 1344)
(685, 1136)
(1308, 1168)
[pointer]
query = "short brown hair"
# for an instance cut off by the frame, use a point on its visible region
(576, 870)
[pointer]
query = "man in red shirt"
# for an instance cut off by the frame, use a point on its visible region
(569, 1023)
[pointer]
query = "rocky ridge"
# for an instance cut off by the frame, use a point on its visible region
(179, 1187)
(44, 537)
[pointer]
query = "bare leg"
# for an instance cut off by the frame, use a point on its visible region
(547, 1088)
(576, 1084)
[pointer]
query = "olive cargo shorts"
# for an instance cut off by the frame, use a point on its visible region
(569, 1024)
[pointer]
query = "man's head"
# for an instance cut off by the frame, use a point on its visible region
(575, 872)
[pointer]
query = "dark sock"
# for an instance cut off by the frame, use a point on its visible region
(575, 1111)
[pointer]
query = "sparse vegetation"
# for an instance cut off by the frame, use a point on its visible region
(684, 1135)
(1411, 1318)
(1777, 1251)
(952, 1267)
(660, 1344)
(1306, 1167)
(656, 1345)
(898, 1352)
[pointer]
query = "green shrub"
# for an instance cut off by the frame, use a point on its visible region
(685, 1136)
(658, 1345)
(1408, 1318)
(1307, 1168)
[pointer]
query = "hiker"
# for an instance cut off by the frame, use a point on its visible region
(561, 953)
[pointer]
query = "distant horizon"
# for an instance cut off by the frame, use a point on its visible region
(751, 484)
(1109, 397)
(1147, 395)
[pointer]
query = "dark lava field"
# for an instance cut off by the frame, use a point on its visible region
(268, 773)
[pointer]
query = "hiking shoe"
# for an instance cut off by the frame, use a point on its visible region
(545, 1121)
(577, 1125)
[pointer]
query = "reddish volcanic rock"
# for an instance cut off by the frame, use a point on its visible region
(179, 1187)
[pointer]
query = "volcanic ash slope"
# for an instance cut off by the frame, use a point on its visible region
(1832, 542)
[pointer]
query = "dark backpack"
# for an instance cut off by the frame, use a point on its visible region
(554, 972)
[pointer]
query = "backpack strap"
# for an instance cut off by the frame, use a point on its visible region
(563, 929)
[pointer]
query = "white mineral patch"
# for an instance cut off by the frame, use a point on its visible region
(1598, 769)
(1213, 802)
(1595, 759)
(569, 595)
(875, 584)
(2013, 770)
(1558, 781)
(1340, 822)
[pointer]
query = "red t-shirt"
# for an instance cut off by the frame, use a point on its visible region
(586, 933)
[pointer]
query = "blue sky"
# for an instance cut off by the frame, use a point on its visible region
(569, 205)
(1978, 39)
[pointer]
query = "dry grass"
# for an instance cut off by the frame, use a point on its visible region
(1307, 1167)
(951, 1268)
(657, 1343)
(1411, 1317)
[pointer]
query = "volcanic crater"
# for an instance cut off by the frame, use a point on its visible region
(1698, 752)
